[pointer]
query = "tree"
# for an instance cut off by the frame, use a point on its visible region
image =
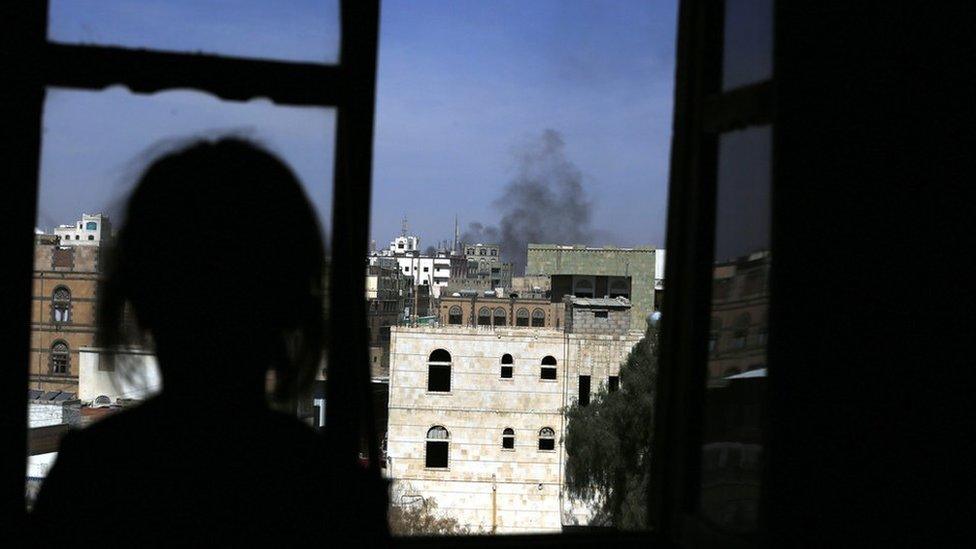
(608, 442)
(414, 515)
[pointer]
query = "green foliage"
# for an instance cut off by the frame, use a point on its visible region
(608, 442)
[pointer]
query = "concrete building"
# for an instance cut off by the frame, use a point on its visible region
(91, 230)
(472, 309)
(423, 270)
(598, 272)
(63, 308)
(476, 418)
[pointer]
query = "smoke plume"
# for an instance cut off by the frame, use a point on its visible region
(544, 204)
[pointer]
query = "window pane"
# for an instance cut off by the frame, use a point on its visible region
(95, 147)
(287, 30)
(521, 159)
(732, 451)
(748, 49)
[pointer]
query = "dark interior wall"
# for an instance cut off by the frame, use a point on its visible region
(866, 430)
(561, 285)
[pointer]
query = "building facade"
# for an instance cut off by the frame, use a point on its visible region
(608, 271)
(740, 316)
(489, 311)
(64, 298)
(476, 420)
(91, 230)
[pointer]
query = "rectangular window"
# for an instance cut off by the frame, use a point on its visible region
(548, 373)
(601, 314)
(613, 383)
(439, 378)
(584, 390)
(506, 372)
(436, 454)
(547, 444)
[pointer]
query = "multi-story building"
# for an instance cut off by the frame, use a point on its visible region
(91, 230)
(387, 293)
(740, 316)
(608, 271)
(423, 270)
(483, 269)
(474, 309)
(476, 415)
(64, 291)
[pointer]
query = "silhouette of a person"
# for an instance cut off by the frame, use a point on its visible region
(220, 259)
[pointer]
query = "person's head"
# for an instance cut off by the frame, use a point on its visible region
(220, 259)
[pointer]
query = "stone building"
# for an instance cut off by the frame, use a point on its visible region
(64, 296)
(608, 271)
(387, 293)
(740, 316)
(601, 315)
(476, 422)
(472, 309)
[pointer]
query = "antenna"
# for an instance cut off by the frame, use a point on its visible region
(403, 226)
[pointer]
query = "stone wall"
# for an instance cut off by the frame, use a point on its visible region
(526, 482)
(636, 263)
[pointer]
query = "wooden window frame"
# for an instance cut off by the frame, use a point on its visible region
(31, 64)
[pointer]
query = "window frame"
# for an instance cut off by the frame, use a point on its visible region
(56, 304)
(33, 64)
(54, 351)
(446, 441)
(508, 434)
(548, 435)
(702, 112)
(440, 365)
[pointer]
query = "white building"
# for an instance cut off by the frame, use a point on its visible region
(135, 375)
(91, 230)
(475, 415)
(433, 271)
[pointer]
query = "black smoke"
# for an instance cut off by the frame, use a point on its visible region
(544, 204)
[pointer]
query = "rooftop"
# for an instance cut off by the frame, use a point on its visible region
(602, 302)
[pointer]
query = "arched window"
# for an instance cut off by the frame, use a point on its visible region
(547, 439)
(61, 304)
(499, 317)
(454, 315)
(538, 318)
(583, 287)
(741, 331)
(507, 365)
(522, 317)
(437, 453)
(548, 368)
(439, 371)
(60, 358)
(484, 316)
(508, 439)
(619, 288)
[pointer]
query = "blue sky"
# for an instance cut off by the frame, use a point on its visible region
(462, 88)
